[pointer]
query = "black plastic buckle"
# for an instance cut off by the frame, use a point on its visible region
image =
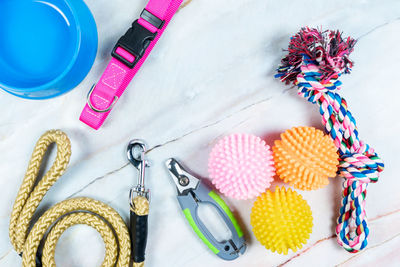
(137, 39)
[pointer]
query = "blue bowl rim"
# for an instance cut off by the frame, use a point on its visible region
(13, 90)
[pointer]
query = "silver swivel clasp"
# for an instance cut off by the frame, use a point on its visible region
(136, 152)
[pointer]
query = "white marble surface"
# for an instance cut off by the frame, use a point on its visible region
(211, 74)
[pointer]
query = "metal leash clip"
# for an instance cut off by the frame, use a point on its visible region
(191, 192)
(136, 151)
(139, 201)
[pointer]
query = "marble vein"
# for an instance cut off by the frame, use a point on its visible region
(5, 254)
(307, 249)
(334, 236)
(92, 182)
(97, 179)
(369, 248)
(378, 27)
(212, 124)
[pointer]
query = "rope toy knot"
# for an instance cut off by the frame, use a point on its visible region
(316, 52)
(310, 83)
(313, 80)
(315, 61)
(363, 167)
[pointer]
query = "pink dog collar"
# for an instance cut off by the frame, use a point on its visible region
(128, 55)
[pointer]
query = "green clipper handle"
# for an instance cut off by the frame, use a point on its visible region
(227, 250)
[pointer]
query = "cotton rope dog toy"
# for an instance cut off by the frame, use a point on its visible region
(305, 158)
(63, 215)
(314, 63)
(241, 166)
(281, 220)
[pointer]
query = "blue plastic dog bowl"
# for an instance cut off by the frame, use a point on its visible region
(47, 47)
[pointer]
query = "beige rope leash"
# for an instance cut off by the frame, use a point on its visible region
(141, 205)
(63, 215)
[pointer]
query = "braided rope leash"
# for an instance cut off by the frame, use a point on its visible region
(314, 63)
(63, 215)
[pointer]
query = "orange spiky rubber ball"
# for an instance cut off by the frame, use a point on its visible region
(305, 158)
(281, 220)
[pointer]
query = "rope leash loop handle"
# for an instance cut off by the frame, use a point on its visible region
(63, 215)
(29, 196)
(315, 61)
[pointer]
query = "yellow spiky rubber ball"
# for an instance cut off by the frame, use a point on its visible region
(281, 220)
(305, 158)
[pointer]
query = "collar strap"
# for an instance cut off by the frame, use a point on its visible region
(128, 55)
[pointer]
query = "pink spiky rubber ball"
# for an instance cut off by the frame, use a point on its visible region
(241, 166)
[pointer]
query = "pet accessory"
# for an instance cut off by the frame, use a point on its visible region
(139, 202)
(63, 215)
(314, 63)
(47, 47)
(241, 166)
(191, 192)
(281, 220)
(128, 56)
(305, 158)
